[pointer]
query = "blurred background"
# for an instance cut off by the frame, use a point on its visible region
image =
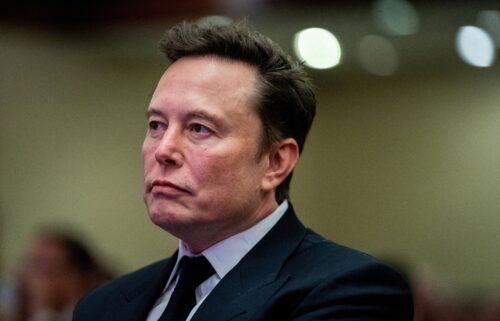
(403, 160)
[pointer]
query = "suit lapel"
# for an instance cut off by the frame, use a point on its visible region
(137, 301)
(256, 274)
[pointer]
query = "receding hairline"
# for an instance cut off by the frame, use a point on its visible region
(217, 57)
(254, 96)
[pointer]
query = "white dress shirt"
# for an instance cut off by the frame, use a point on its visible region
(223, 256)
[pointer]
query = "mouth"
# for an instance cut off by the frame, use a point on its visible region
(166, 187)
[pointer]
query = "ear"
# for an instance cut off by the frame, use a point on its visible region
(282, 159)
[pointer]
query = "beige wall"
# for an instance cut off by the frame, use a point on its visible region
(72, 124)
(405, 167)
(409, 168)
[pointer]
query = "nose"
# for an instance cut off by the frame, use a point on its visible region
(169, 150)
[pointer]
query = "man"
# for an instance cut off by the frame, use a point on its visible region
(227, 122)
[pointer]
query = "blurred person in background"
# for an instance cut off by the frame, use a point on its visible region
(57, 271)
(436, 298)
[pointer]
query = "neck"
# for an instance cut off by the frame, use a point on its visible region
(202, 241)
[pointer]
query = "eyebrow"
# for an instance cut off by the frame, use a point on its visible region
(204, 115)
(152, 111)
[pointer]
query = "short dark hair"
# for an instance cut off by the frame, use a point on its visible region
(286, 101)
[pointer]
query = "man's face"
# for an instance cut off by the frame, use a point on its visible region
(202, 176)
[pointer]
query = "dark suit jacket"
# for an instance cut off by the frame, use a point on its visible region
(291, 274)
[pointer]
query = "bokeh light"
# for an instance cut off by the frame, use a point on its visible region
(318, 48)
(396, 17)
(475, 46)
(378, 55)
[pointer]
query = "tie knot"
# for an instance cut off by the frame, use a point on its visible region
(193, 271)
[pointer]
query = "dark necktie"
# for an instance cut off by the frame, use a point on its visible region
(193, 271)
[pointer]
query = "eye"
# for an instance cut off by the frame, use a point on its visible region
(200, 129)
(154, 125)
(156, 128)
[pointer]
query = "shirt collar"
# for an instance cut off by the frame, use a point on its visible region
(225, 254)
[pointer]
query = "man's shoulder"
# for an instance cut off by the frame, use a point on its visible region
(137, 277)
(326, 273)
(327, 257)
(314, 257)
(314, 244)
(128, 285)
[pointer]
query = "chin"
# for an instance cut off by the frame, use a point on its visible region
(161, 218)
(167, 221)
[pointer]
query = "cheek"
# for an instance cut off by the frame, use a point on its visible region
(222, 172)
(208, 169)
(148, 157)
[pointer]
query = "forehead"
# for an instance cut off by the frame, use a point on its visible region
(217, 81)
